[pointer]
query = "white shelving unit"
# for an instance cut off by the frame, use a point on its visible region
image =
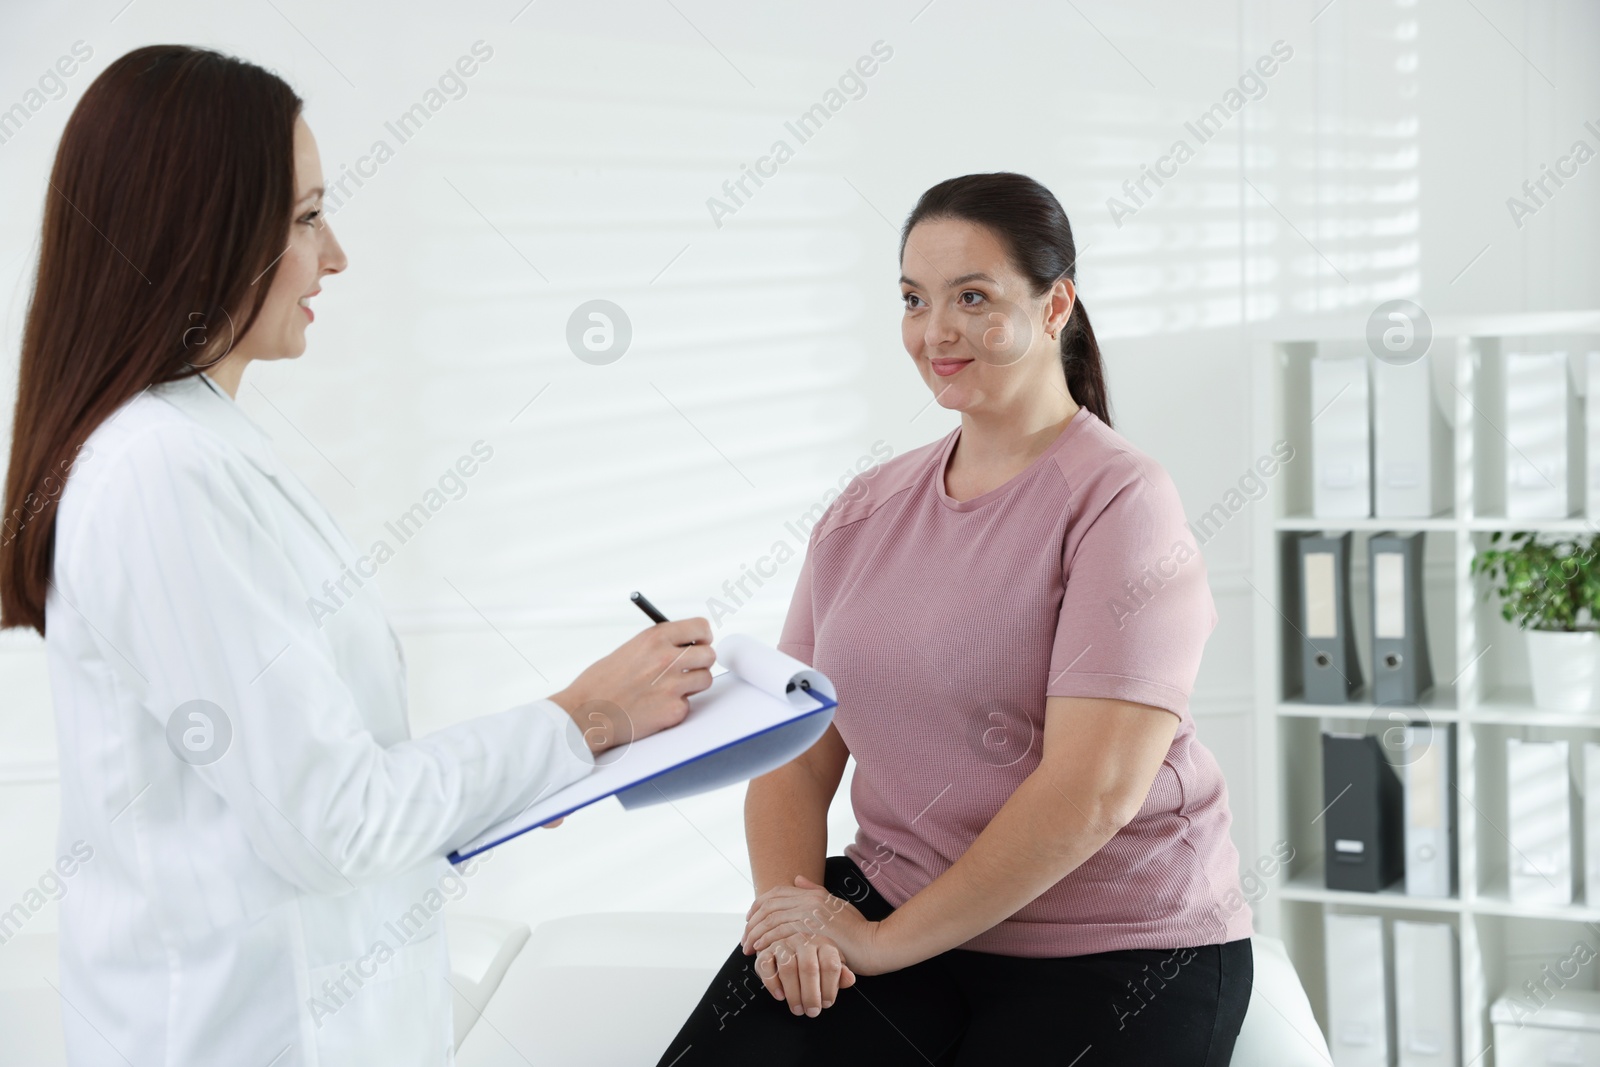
(1479, 664)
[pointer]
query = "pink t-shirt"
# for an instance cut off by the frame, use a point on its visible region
(945, 625)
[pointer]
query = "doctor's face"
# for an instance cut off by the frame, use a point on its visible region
(978, 333)
(310, 251)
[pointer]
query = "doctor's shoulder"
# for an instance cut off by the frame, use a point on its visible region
(147, 455)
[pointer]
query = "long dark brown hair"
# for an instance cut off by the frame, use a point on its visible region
(167, 207)
(1029, 220)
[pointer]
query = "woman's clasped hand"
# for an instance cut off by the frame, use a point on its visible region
(809, 944)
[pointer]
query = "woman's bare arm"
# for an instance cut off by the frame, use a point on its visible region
(786, 814)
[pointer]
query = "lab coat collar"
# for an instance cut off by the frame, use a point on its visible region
(207, 403)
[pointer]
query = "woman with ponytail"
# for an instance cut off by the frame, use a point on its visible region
(1014, 616)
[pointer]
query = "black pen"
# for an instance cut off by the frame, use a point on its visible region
(654, 612)
(645, 606)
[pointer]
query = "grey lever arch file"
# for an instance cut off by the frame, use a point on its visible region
(1401, 670)
(1363, 820)
(1332, 671)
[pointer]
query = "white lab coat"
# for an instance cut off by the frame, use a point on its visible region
(282, 903)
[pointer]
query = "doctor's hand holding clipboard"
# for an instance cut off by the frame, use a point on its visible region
(267, 837)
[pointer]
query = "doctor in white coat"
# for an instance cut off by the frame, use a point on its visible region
(264, 837)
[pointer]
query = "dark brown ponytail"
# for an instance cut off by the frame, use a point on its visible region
(1080, 358)
(1029, 219)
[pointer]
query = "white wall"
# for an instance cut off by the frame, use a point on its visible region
(766, 356)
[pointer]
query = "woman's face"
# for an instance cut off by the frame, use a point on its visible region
(980, 338)
(310, 251)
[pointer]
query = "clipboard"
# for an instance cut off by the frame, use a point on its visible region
(765, 709)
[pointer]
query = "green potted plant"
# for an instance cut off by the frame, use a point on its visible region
(1550, 587)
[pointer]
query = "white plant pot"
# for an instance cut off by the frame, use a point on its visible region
(1564, 666)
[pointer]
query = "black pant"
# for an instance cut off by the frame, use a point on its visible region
(1169, 1007)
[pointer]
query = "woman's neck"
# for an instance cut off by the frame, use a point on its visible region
(1020, 433)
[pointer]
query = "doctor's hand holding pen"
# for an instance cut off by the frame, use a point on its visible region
(643, 687)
